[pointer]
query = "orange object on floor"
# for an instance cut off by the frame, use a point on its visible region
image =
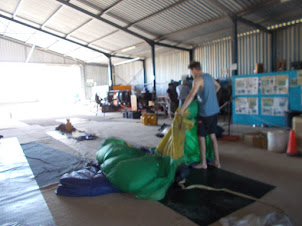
(292, 145)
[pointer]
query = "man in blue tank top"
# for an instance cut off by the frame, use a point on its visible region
(205, 87)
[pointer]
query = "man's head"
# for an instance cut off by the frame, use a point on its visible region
(195, 68)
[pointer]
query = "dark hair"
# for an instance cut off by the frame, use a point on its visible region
(194, 64)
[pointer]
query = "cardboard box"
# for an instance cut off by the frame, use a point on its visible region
(297, 127)
(259, 68)
(299, 142)
(297, 124)
(256, 139)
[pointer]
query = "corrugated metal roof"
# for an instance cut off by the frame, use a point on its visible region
(91, 31)
(41, 39)
(67, 19)
(134, 10)
(36, 10)
(8, 6)
(189, 22)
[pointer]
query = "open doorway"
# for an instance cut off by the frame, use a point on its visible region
(38, 90)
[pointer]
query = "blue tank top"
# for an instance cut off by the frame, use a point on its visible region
(207, 99)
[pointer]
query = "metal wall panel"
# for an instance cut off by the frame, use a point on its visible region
(253, 49)
(168, 67)
(129, 74)
(215, 58)
(289, 44)
(12, 52)
(94, 75)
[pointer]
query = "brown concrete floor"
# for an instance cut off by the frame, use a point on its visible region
(123, 209)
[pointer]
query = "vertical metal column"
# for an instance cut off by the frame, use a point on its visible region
(153, 66)
(191, 55)
(110, 72)
(234, 48)
(144, 72)
(274, 50)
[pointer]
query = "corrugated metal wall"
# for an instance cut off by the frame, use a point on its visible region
(168, 67)
(289, 44)
(215, 58)
(94, 75)
(129, 74)
(253, 49)
(17, 52)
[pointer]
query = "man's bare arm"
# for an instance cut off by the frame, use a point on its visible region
(197, 84)
(217, 86)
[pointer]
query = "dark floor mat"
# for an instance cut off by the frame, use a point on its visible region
(206, 207)
(49, 164)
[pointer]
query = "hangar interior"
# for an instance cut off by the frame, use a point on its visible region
(106, 65)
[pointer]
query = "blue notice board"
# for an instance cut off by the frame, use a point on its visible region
(263, 98)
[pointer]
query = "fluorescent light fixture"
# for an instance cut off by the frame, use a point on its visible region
(127, 61)
(128, 48)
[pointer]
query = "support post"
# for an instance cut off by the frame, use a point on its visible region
(274, 50)
(110, 72)
(153, 68)
(144, 72)
(191, 55)
(234, 48)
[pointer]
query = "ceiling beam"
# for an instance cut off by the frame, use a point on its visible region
(118, 26)
(51, 16)
(252, 24)
(17, 9)
(155, 13)
(104, 36)
(82, 25)
(64, 38)
(221, 7)
(110, 7)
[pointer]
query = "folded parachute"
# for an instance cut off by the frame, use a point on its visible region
(146, 175)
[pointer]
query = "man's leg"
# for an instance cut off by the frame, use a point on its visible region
(202, 149)
(216, 162)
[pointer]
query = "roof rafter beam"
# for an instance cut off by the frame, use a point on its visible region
(102, 19)
(51, 16)
(157, 12)
(17, 8)
(252, 24)
(64, 38)
(233, 16)
(110, 7)
(104, 36)
(118, 26)
(222, 8)
(82, 25)
(90, 5)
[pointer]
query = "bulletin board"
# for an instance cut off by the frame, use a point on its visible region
(264, 98)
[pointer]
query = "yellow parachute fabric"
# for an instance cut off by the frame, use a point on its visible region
(173, 142)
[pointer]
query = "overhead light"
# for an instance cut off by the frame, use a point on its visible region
(128, 48)
(127, 61)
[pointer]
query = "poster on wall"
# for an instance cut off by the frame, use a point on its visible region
(275, 106)
(274, 84)
(246, 105)
(246, 86)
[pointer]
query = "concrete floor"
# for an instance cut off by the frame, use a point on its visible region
(123, 209)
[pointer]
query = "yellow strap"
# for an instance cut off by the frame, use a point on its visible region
(200, 186)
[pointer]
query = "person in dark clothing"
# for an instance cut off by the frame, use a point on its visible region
(205, 87)
(172, 100)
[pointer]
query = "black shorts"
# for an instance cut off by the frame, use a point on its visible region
(206, 125)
